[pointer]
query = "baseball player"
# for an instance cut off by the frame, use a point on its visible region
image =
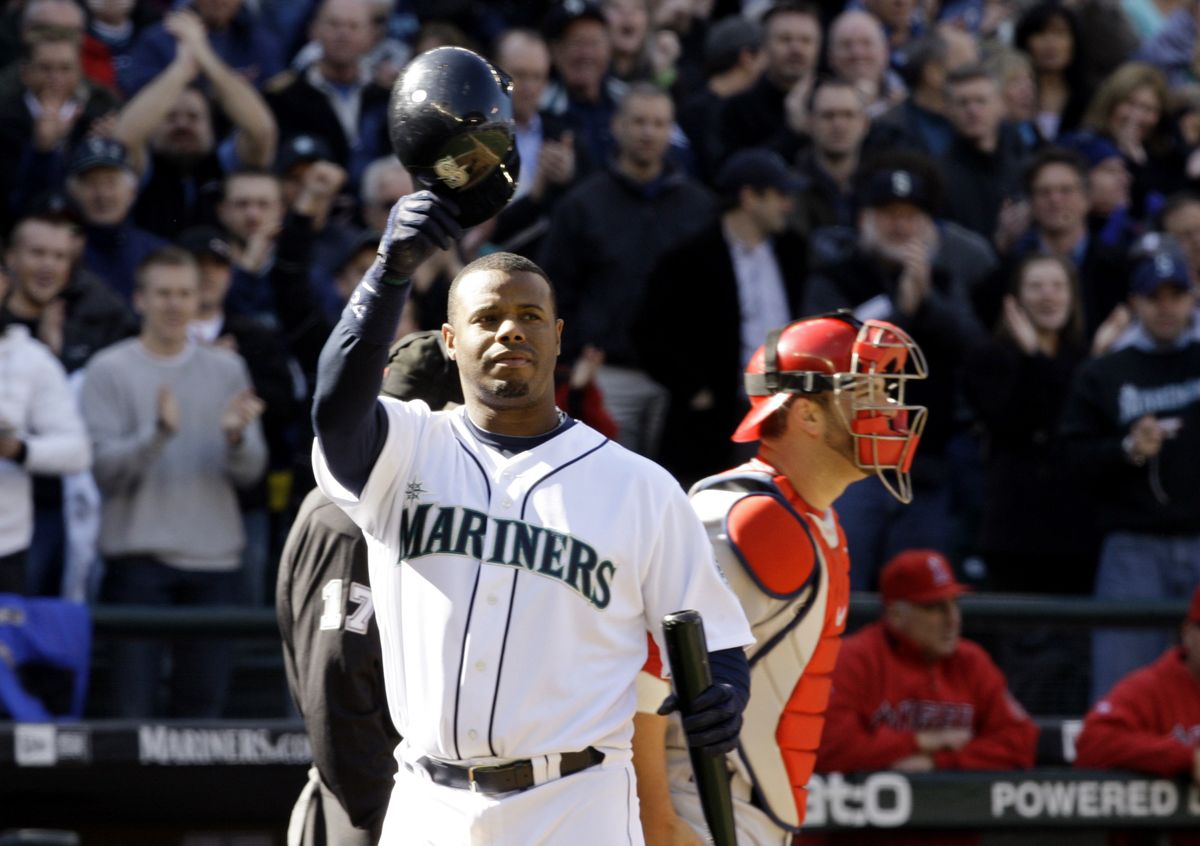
(517, 559)
(828, 409)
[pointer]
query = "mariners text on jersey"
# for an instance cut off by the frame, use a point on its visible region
(429, 529)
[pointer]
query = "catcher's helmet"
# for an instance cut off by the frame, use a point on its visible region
(869, 363)
(450, 121)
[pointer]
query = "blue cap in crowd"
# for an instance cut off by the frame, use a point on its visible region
(755, 167)
(97, 152)
(1164, 266)
(1094, 148)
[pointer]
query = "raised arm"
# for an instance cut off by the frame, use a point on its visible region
(149, 107)
(347, 418)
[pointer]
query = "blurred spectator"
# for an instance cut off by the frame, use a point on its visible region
(250, 211)
(112, 27)
(903, 22)
(550, 156)
(858, 54)
(1149, 722)
(606, 236)
(1110, 217)
(1173, 48)
(792, 45)
(25, 19)
(175, 431)
(1132, 427)
(266, 357)
(895, 268)
(384, 182)
(983, 165)
(910, 694)
(1018, 385)
(51, 112)
(838, 124)
(233, 31)
(1056, 184)
(68, 309)
(74, 314)
(585, 94)
(169, 131)
(335, 98)
(733, 61)
(632, 49)
(40, 432)
(103, 187)
(740, 277)
(1181, 220)
(1049, 33)
(1130, 108)
(918, 123)
(1013, 72)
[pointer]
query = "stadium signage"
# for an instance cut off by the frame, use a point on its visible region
(1108, 799)
(159, 744)
(881, 800)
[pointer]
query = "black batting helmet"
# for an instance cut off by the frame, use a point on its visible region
(451, 125)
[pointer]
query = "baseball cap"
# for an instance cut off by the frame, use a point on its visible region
(755, 167)
(301, 149)
(726, 39)
(1163, 266)
(565, 13)
(206, 241)
(896, 185)
(97, 152)
(420, 368)
(919, 575)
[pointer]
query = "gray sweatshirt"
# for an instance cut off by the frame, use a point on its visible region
(169, 496)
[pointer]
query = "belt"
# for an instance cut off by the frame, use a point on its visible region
(505, 778)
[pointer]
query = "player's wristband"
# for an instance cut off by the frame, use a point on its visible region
(374, 309)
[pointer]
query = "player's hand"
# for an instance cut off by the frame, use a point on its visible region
(715, 721)
(418, 224)
(168, 411)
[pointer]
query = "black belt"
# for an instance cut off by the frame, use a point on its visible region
(504, 778)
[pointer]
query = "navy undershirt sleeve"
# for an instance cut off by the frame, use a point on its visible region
(731, 667)
(349, 421)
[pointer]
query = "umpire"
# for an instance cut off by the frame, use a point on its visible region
(331, 646)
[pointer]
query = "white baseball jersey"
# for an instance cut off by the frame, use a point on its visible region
(513, 594)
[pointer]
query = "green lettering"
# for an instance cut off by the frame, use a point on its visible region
(411, 530)
(473, 528)
(439, 535)
(580, 564)
(525, 545)
(500, 542)
(603, 593)
(552, 553)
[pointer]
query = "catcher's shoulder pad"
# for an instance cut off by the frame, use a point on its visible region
(774, 543)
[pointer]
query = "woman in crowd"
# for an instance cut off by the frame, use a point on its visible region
(1049, 34)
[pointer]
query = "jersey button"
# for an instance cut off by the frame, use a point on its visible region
(480, 666)
(472, 734)
(506, 503)
(491, 600)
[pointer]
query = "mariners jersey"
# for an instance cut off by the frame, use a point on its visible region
(513, 593)
(1150, 721)
(789, 566)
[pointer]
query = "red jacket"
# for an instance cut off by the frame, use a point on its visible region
(884, 692)
(1149, 721)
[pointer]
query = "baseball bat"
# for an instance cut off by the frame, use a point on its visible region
(687, 653)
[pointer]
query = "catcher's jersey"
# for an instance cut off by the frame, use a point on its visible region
(513, 593)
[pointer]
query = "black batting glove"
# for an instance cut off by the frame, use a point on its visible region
(418, 224)
(715, 721)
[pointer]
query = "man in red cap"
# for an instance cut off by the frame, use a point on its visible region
(910, 694)
(1150, 720)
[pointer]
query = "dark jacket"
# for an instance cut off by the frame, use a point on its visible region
(113, 253)
(688, 337)
(977, 183)
(754, 118)
(606, 236)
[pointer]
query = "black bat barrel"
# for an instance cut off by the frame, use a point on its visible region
(687, 654)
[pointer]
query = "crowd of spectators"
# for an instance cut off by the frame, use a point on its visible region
(190, 190)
